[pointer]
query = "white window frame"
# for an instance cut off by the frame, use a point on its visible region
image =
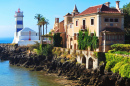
(93, 21)
(77, 21)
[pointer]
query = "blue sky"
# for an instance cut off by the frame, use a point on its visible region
(48, 8)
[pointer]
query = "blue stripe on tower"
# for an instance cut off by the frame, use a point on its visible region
(19, 22)
(18, 29)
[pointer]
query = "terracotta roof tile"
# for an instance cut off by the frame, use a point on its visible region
(112, 29)
(90, 10)
(104, 9)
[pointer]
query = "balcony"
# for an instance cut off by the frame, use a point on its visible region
(83, 27)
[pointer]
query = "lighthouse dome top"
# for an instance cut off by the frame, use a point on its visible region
(27, 29)
(19, 10)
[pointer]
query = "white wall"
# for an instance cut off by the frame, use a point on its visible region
(27, 37)
(27, 42)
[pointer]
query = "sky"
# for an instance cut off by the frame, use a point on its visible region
(48, 8)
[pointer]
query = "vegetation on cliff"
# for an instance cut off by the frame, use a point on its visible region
(119, 61)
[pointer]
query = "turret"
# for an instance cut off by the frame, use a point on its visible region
(75, 11)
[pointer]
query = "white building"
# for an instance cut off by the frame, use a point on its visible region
(24, 36)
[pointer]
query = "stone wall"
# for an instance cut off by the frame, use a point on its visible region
(86, 57)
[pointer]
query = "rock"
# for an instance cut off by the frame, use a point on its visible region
(38, 68)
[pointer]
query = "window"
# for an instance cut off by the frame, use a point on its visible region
(74, 36)
(106, 20)
(107, 37)
(116, 20)
(112, 37)
(92, 21)
(76, 22)
(111, 19)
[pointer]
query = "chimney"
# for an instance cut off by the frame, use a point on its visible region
(56, 20)
(107, 4)
(117, 4)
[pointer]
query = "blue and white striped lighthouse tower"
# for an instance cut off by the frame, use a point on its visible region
(19, 20)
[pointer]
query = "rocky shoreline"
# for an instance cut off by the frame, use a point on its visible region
(70, 70)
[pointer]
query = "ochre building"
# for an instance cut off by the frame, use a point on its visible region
(107, 22)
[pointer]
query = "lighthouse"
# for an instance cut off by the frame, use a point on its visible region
(19, 21)
(23, 36)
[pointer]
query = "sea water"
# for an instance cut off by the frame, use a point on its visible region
(19, 76)
(6, 40)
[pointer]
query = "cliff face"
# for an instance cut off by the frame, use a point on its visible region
(9, 47)
(98, 77)
(73, 71)
(7, 50)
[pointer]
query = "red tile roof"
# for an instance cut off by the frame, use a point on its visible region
(113, 29)
(104, 9)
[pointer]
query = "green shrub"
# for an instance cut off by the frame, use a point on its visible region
(101, 62)
(39, 50)
(95, 54)
(35, 46)
(121, 47)
(116, 68)
(47, 50)
(118, 63)
(111, 51)
(53, 50)
(122, 52)
(109, 65)
(57, 40)
(124, 70)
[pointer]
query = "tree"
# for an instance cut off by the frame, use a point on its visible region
(80, 40)
(38, 17)
(46, 22)
(94, 41)
(43, 22)
(126, 10)
(87, 39)
(57, 40)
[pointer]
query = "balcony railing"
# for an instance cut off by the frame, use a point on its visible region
(83, 27)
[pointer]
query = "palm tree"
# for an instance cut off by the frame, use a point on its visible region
(47, 22)
(43, 22)
(38, 17)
